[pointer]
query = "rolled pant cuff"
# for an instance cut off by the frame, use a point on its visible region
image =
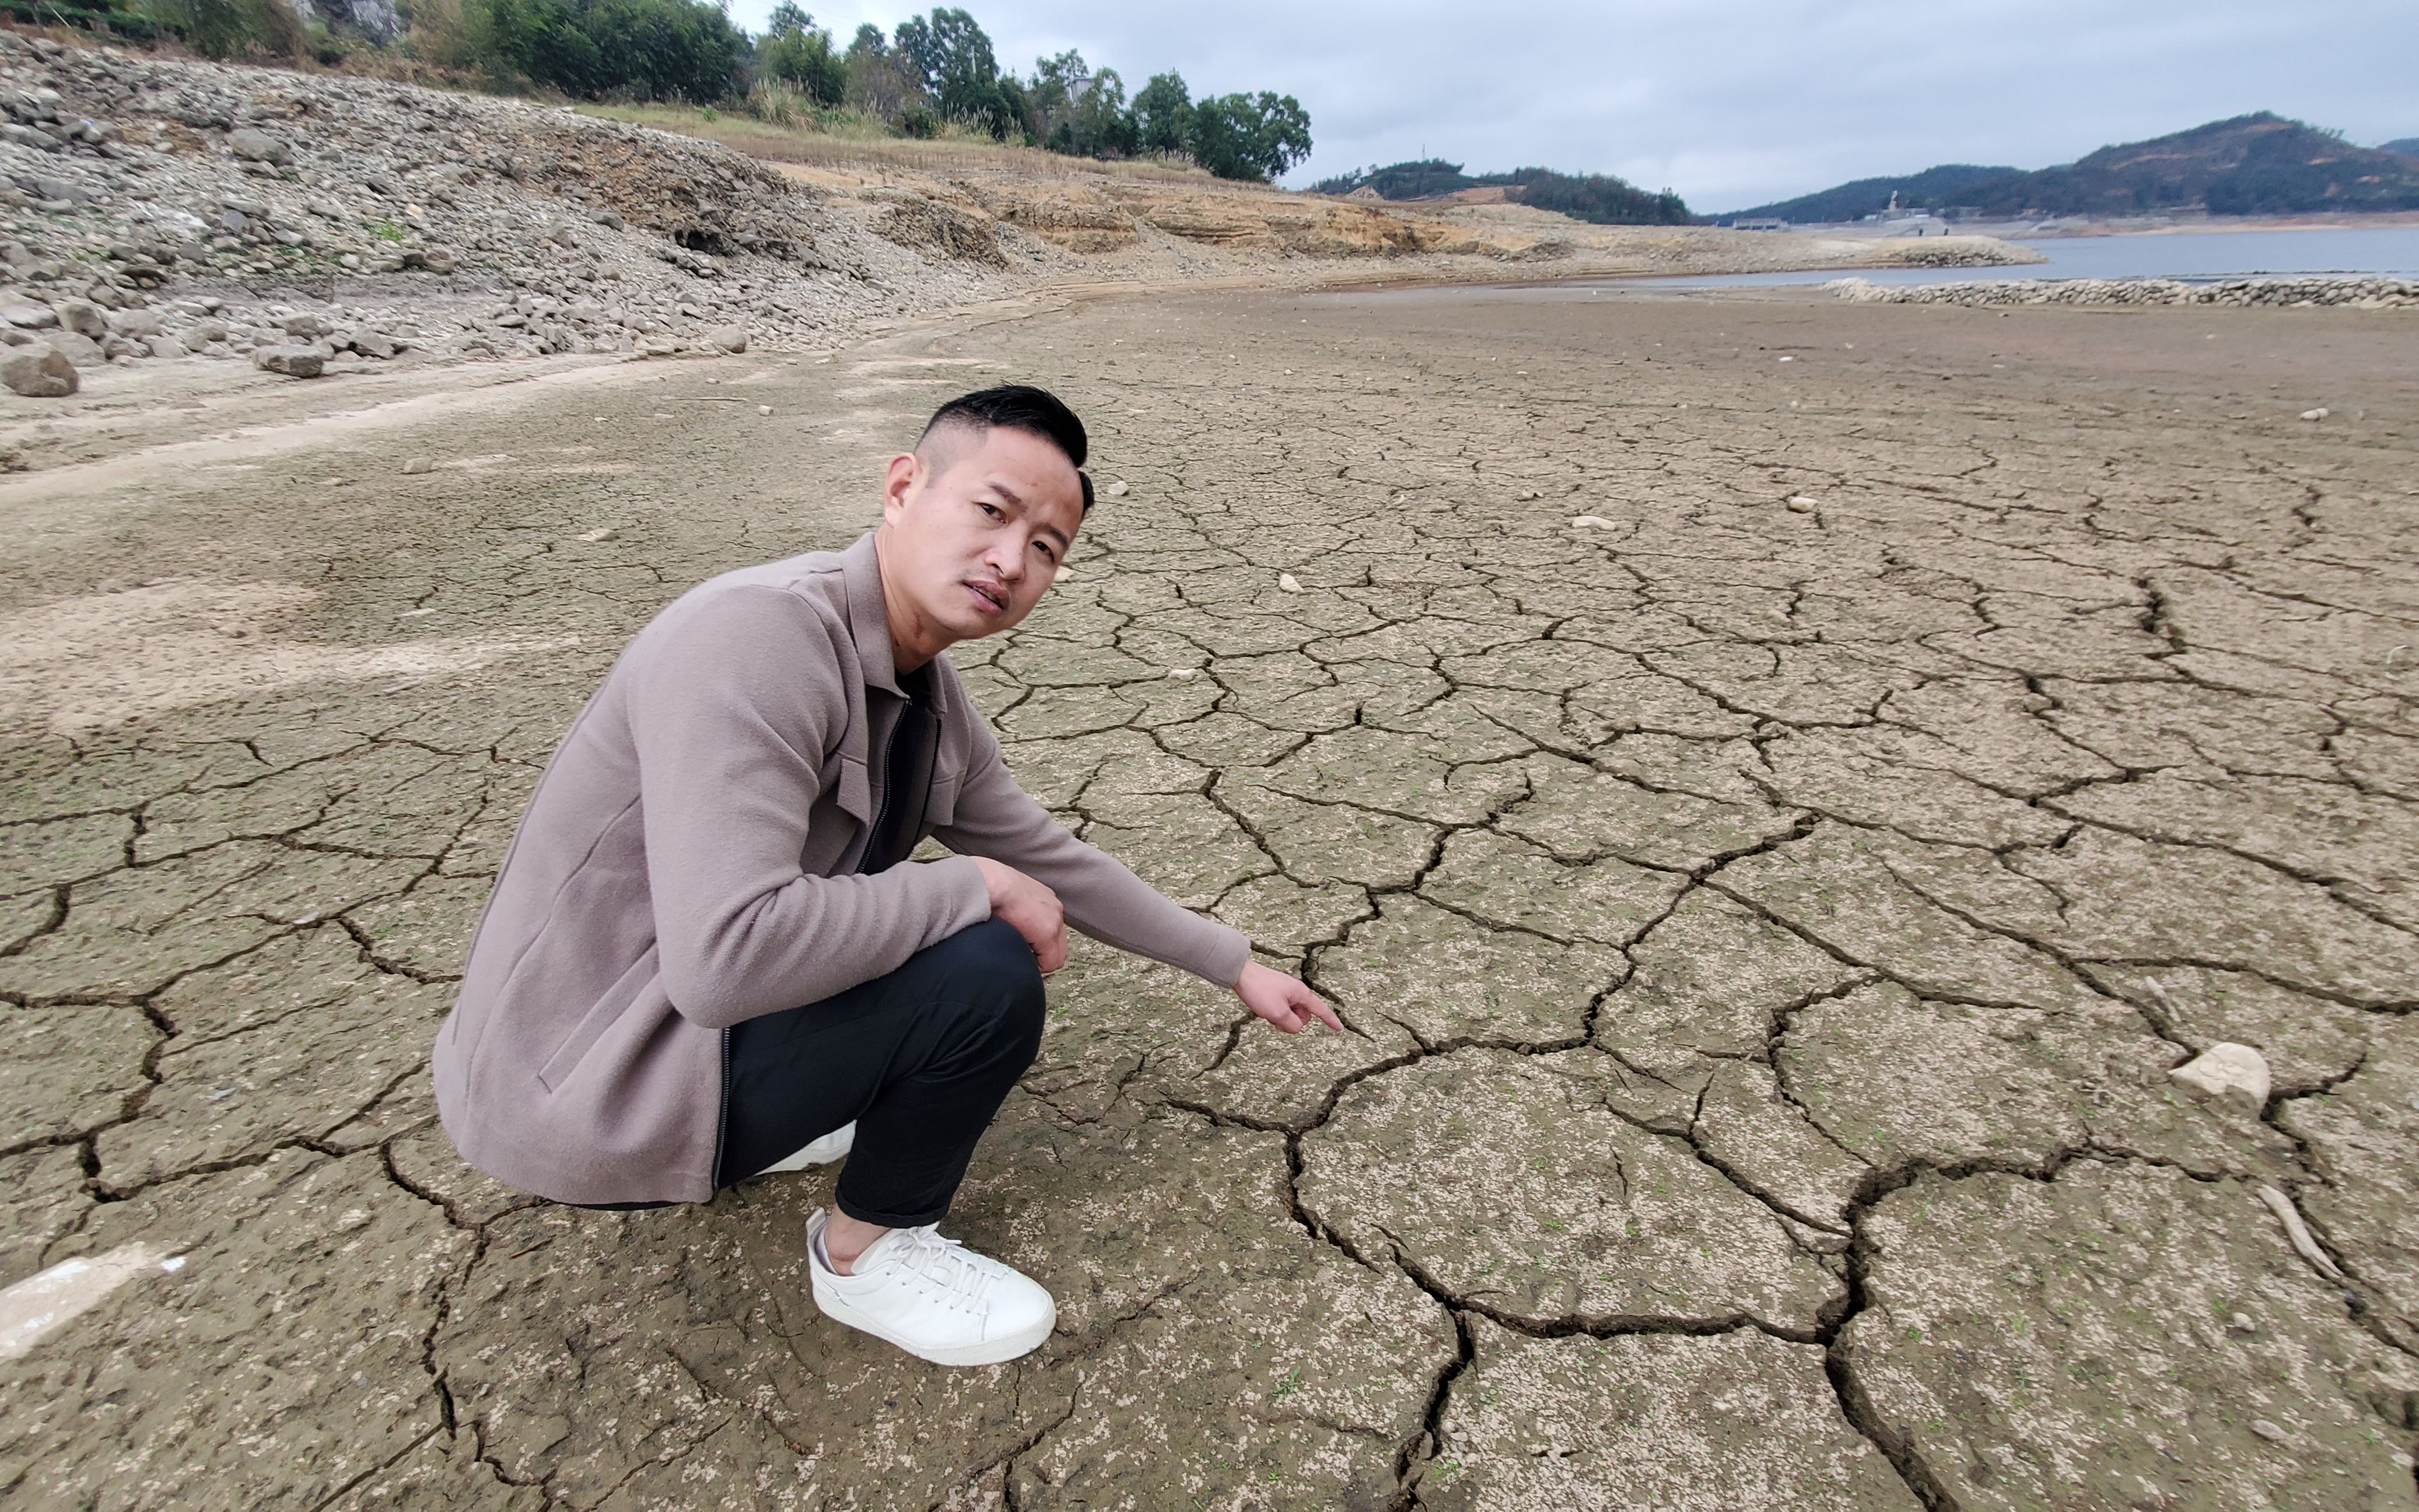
(890, 1220)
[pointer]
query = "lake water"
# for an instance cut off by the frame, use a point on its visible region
(2188, 255)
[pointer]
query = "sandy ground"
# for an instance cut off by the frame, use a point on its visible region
(1765, 930)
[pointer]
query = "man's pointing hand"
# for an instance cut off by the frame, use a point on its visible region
(1281, 1000)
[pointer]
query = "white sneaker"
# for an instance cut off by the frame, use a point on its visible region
(822, 1151)
(933, 1297)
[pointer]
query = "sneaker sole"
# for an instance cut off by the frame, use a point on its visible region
(990, 1352)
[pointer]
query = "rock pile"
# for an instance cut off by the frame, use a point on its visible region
(2362, 291)
(164, 209)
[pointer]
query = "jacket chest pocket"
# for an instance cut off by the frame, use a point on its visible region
(941, 803)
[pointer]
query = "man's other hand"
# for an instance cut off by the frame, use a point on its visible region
(1032, 909)
(1281, 1000)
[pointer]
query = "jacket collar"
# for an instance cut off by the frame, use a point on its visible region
(869, 623)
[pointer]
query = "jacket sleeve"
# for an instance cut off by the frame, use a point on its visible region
(733, 700)
(997, 818)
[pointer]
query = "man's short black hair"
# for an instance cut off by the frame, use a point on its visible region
(1018, 406)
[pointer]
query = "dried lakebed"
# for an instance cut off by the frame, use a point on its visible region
(1766, 927)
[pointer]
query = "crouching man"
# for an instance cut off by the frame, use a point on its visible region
(707, 954)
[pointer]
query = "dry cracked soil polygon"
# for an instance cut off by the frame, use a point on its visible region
(1764, 932)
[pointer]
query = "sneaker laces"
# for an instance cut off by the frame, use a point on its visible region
(957, 1273)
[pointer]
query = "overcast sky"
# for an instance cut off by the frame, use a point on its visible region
(1740, 103)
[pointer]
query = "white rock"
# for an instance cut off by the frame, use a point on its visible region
(418, 465)
(34, 1307)
(1289, 582)
(2235, 1076)
(1803, 503)
(602, 532)
(1590, 523)
(2320, 413)
(1118, 490)
(764, 409)
(1184, 674)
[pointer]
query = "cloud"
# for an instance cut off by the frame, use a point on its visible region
(1739, 104)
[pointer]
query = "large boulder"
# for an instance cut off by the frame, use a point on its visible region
(294, 361)
(78, 348)
(38, 373)
(83, 318)
(728, 338)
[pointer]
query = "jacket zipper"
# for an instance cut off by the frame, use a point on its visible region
(721, 1115)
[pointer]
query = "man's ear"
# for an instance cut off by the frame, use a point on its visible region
(905, 474)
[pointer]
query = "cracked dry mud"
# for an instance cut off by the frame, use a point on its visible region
(1764, 930)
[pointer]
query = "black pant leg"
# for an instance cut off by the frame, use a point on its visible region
(920, 1059)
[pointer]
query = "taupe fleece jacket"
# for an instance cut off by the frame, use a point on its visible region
(689, 861)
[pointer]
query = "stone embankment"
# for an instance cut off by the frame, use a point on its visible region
(2362, 291)
(163, 209)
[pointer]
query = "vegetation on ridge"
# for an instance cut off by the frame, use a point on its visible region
(1599, 198)
(935, 74)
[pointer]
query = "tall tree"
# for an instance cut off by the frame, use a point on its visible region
(799, 54)
(1250, 137)
(960, 70)
(1163, 111)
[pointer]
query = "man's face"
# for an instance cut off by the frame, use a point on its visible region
(975, 526)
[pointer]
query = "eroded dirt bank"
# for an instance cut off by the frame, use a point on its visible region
(1766, 928)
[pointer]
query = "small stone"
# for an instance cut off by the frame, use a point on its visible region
(1590, 523)
(602, 532)
(732, 339)
(1118, 489)
(2267, 1430)
(764, 409)
(1289, 582)
(1184, 674)
(2234, 1075)
(256, 146)
(1803, 503)
(293, 362)
(38, 373)
(2240, 1323)
(418, 465)
(2320, 413)
(199, 335)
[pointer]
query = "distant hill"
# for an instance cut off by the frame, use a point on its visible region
(1944, 185)
(1597, 198)
(2256, 165)
(2406, 146)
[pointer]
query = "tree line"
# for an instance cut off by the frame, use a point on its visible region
(933, 74)
(1599, 198)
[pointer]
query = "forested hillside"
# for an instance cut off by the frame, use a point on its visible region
(1599, 199)
(2256, 165)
